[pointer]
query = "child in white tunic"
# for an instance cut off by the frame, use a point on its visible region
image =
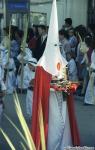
(72, 69)
(10, 76)
(21, 82)
(26, 55)
(30, 79)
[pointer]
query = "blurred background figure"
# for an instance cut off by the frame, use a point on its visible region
(68, 24)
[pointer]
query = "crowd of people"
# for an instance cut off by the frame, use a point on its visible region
(78, 47)
(17, 65)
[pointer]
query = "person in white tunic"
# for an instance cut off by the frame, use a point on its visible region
(3, 56)
(72, 69)
(30, 79)
(10, 76)
(90, 92)
(6, 41)
(20, 82)
(27, 54)
(2, 93)
(72, 40)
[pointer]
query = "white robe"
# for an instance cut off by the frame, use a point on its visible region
(10, 78)
(29, 96)
(59, 134)
(23, 84)
(27, 55)
(21, 81)
(1, 73)
(90, 91)
(3, 56)
(29, 103)
(3, 88)
(2, 84)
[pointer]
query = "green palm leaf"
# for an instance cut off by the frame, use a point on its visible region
(24, 124)
(8, 140)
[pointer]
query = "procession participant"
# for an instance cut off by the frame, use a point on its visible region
(65, 46)
(3, 55)
(6, 41)
(51, 64)
(10, 69)
(41, 41)
(90, 92)
(72, 40)
(23, 58)
(72, 68)
(2, 93)
(30, 79)
(68, 24)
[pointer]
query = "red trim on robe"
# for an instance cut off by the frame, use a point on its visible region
(73, 123)
(41, 93)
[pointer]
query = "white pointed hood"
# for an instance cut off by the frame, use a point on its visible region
(52, 61)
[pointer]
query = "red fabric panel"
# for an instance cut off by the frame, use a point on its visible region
(73, 123)
(41, 93)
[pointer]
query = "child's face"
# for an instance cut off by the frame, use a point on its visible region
(31, 67)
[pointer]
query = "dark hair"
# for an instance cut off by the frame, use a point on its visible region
(64, 33)
(42, 27)
(68, 21)
(20, 33)
(89, 41)
(81, 29)
(36, 28)
(13, 30)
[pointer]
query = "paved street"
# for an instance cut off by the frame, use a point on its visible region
(85, 117)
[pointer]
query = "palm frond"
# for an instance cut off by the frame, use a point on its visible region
(41, 126)
(23, 146)
(24, 124)
(19, 132)
(8, 140)
(27, 138)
